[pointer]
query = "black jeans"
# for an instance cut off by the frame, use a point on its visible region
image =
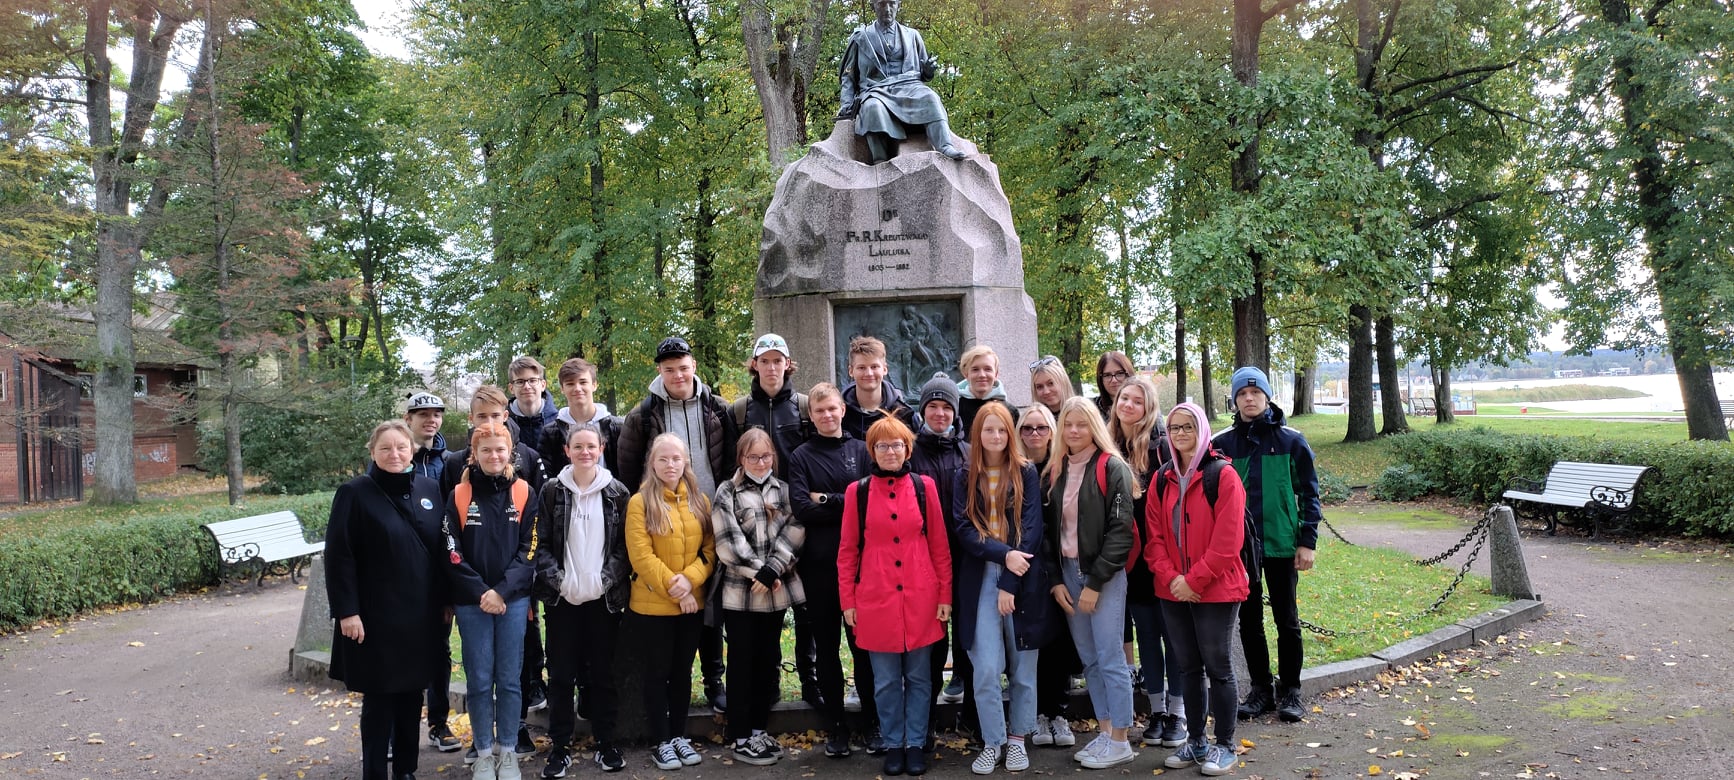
(1283, 582)
(1055, 666)
(393, 718)
(754, 666)
(581, 642)
(1202, 636)
(531, 674)
(439, 700)
(960, 665)
(825, 621)
(664, 647)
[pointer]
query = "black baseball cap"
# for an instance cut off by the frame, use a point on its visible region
(672, 347)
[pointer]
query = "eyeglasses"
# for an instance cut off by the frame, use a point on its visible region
(1114, 375)
(759, 459)
(1031, 430)
(1183, 428)
(1045, 361)
(525, 382)
(888, 446)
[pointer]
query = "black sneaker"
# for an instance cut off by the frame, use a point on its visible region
(442, 739)
(754, 751)
(609, 758)
(811, 695)
(470, 756)
(1152, 735)
(720, 703)
(1257, 702)
(837, 745)
(1289, 707)
(526, 746)
(558, 763)
(535, 697)
(876, 744)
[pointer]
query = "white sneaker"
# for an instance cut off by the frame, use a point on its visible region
(487, 766)
(852, 701)
(1062, 732)
(683, 748)
(1042, 735)
(986, 760)
(664, 757)
(509, 769)
(1096, 744)
(1017, 758)
(1112, 753)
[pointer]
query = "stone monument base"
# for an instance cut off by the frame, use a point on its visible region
(918, 251)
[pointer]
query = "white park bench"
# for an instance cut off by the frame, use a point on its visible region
(1582, 494)
(275, 541)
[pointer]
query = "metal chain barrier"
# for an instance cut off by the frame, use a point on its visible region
(1477, 534)
(1336, 533)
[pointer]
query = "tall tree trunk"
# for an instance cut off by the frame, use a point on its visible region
(606, 357)
(1179, 353)
(1361, 424)
(1209, 397)
(1443, 412)
(782, 55)
(1303, 390)
(1251, 334)
(120, 236)
(228, 374)
(1660, 215)
(1390, 377)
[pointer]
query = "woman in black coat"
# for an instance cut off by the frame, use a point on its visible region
(386, 581)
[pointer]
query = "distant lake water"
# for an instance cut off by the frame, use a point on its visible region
(1662, 392)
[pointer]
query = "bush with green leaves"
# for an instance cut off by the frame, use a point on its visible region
(1332, 488)
(1691, 491)
(314, 444)
(1401, 483)
(88, 567)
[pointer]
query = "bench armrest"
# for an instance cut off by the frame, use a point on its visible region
(1524, 486)
(240, 553)
(1613, 498)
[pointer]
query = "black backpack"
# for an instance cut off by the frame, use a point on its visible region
(1252, 544)
(861, 494)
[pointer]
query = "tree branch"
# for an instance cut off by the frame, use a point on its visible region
(1443, 94)
(1384, 39)
(1428, 223)
(1421, 82)
(1266, 15)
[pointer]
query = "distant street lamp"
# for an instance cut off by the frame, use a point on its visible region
(351, 345)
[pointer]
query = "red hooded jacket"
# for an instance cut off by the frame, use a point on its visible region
(1207, 549)
(904, 574)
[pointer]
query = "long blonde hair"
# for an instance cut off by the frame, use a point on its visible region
(1134, 440)
(1011, 479)
(1078, 405)
(658, 513)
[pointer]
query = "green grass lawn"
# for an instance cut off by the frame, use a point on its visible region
(34, 521)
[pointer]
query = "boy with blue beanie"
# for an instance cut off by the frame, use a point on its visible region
(1282, 491)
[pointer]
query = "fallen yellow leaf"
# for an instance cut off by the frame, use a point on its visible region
(315, 741)
(135, 644)
(1374, 770)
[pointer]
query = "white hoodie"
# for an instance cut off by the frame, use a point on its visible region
(585, 537)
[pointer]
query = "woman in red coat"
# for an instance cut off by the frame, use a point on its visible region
(894, 579)
(1193, 548)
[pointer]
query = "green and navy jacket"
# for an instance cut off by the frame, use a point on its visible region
(1282, 489)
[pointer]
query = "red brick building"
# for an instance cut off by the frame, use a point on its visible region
(46, 412)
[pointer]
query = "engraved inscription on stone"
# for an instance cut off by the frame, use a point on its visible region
(885, 247)
(920, 338)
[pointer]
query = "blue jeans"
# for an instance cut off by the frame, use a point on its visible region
(1099, 637)
(493, 657)
(903, 692)
(995, 651)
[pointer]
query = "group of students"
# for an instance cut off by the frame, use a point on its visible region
(1023, 544)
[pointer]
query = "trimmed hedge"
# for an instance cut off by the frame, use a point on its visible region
(1691, 491)
(138, 560)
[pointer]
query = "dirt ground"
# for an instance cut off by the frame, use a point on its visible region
(1629, 675)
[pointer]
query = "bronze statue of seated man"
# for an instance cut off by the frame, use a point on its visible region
(885, 73)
